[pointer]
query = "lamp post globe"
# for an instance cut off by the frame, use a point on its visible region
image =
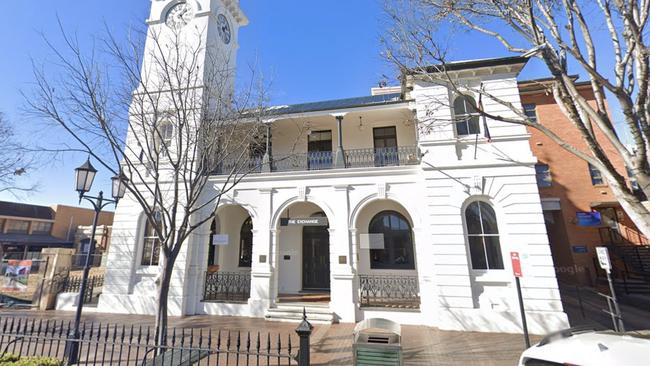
(119, 186)
(85, 176)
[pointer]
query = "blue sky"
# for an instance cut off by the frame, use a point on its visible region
(311, 50)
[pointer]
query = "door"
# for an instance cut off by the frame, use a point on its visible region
(385, 142)
(315, 258)
(319, 150)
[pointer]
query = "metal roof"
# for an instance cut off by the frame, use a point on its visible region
(336, 104)
(470, 64)
(26, 211)
(36, 240)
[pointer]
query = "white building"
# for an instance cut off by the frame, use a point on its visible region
(451, 208)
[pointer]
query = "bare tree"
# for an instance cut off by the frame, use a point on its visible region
(558, 32)
(182, 124)
(15, 160)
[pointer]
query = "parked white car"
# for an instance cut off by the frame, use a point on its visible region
(582, 347)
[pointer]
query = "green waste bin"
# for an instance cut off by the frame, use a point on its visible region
(377, 342)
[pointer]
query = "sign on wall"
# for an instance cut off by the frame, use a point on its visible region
(588, 219)
(372, 241)
(304, 221)
(580, 249)
(17, 275)
(220, 239)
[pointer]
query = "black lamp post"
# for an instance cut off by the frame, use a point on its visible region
(85, 174)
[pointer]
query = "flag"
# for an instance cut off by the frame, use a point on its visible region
(486, 130)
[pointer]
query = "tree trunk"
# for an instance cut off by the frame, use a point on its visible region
(635, 209)
(163, 299)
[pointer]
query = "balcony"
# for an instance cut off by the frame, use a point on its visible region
(324, 160)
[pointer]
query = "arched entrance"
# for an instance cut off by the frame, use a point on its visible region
(303, 252)
(229, 259)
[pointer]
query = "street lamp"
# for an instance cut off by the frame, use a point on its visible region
(85, 175)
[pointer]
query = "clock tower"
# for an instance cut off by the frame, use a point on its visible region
(183, 36)
(209, 28)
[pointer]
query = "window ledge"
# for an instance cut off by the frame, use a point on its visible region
(148, 270)
(494, 275)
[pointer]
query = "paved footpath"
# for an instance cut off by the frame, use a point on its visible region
(332, 344)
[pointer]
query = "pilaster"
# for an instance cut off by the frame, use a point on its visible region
(342, 275)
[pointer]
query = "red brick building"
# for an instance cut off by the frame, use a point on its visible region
(569, 186)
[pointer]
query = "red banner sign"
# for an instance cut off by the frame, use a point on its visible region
(516, 264)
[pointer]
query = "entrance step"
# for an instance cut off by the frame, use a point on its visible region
(316, 313)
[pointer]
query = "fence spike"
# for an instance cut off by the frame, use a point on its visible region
(238, 340)
(289, 344)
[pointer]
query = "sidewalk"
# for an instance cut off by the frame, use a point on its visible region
(332, 344)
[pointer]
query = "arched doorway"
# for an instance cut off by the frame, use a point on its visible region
(316, 257)
(303, 253)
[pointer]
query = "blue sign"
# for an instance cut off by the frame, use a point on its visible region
(580, 249)
(588, 219)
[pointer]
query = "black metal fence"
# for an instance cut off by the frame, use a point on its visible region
(227, 286)
(107, 344)
(73, 284)
(400, 292)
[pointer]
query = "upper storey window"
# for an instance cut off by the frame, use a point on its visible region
(466, 117)
(530, 110)
(483, 236)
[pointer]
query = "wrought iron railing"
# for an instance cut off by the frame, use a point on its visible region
(135, 345)
(400, 292)
(239, 165)
(227, 286)
(72, 284)
(389, 156)
(323, 160)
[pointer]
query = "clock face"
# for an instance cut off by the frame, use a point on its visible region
(224, 28)
(179, 15)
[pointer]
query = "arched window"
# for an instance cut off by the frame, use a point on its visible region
(246, 243)
(483, 236)
(151, 242)
(164, 134)
(212, 249)
(398, 242)
(466, 117)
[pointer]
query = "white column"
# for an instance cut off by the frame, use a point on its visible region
(342, 275)
(261, 297)
(426, 276)
(274, 257)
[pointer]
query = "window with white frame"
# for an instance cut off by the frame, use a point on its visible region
(165, 133)
(466, 116)
(151, 244)
(530, 110)
(483, 236)
(596, 176)
(543, 175)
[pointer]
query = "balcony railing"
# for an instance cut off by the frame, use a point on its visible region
(323, 160)
(389, 156)
(227, 286)
(399, 292)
